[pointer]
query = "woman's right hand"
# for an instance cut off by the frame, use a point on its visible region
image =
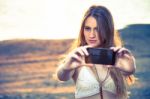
(76, 58)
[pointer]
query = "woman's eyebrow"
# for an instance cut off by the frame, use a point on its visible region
(87, 26)
(90, 27)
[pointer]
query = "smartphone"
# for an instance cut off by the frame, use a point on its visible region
(103, 56)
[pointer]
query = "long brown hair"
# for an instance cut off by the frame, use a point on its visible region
(105, 25)
(109, 37)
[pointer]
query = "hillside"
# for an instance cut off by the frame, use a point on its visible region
(136, 37)
(22, 47)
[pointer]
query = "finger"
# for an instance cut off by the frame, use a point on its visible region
(85, 51)
(121, 50)
(76, 57)
(83, 60)
(88, 65)
(84, 48)
(124, 50)
(79, 50)
(109, 66)
(119, 53)
(87, 46)
(113, 48)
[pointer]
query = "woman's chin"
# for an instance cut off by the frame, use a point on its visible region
(93, 45)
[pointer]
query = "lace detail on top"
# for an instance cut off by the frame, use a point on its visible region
(87, 85)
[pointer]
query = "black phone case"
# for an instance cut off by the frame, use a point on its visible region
(100, 56)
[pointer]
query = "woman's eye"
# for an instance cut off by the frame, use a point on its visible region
(87, 28)
(96, 29)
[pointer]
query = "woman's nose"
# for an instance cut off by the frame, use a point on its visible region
(92, 34)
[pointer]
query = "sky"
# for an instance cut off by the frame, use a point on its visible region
(61, 19)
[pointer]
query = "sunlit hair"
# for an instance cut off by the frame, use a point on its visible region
(109, 37)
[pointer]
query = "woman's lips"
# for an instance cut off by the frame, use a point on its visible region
(92, 41)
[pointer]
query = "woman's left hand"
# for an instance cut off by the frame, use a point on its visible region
(120, 53)
(125, 61)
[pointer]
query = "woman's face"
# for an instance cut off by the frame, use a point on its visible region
(91, 32)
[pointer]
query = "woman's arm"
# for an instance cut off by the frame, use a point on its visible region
(125, 61)
(63, 73)
(72, 61)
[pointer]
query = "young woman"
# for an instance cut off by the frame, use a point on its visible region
(97, 81)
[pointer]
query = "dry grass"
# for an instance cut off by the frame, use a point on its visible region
(33, 72)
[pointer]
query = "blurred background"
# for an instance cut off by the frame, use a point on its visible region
(35, 33)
